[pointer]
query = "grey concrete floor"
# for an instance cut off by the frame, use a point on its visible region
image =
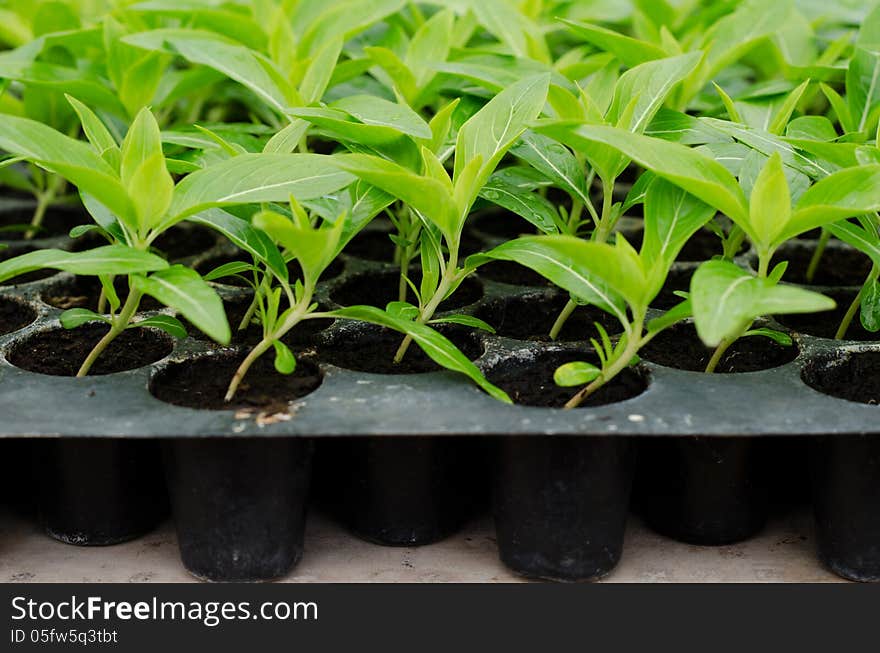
(783, 552)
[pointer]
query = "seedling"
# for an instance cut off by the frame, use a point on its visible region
(133, 200)
(443, 204)
(726, 299)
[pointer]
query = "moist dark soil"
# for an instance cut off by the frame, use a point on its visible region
(58, 221)
(511, 273)
(60, 352)
(854, 376)
(703, 245)
(185, 241)
(680, 347)
(36, 275)
(499, 223)
(528, 379)
(826, 323)
(839, 266)
(236, 309)
(677, 280)
(202, 383)
(84, 292)
(381, 287)
(14, 315)
(370, 348)
(336, 268)
(530, 317)
(376, 245)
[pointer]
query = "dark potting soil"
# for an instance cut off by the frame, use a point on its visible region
(511, 273)
(530, 317)
(853, 376)
(58, 221)
(84, 292)
(14, 315)
(370, 348)
(381, 287)
(184, 241)
(252, 334)
(376, 245)
(36, 275)
(677, 280)
(499, 223)
(704, 245)
(202, 383)
(60, 352)
(681, 348)
(528, 379)
(826, 323)
(839, 266)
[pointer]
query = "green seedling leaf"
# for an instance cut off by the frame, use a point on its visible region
(674, 315)
(464, 320)
(672, 216)
(285, 361)
(109, 259)
(231, 269)
(694, 172)
(603, 275)
(864, 240)
(502, 189)
(726, 299)
(439, 348)
(574, 374)
(170, 325)
(870, 306)
(779, 337)
(403, 310)
(185, 291)
(243, 235)
(76, 317)
(255, 178)
(630, 51)
(770, 203)
(555, 162)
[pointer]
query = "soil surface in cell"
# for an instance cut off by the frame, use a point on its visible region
(14, 315)
(680, 347)
(85, 292)
(677, 280)
(60, 352)
(499, 223)
(58, 221)
(370, 348)
(380, 288)
(530, 317)
(511, 273)
(529, 380)
(203, 382)
(839, 266)
(826, 323)
(855, 377)
(376, 245)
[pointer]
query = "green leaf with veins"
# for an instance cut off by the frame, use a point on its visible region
(726, 299)
(185, 291)
(109, 259)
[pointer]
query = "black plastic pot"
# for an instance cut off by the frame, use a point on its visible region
(846, 501)
(707, 491)
(561, 503)
(96, 492)
(402, 491)
(239, 504)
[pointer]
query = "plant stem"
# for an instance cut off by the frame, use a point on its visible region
(817, 255)
(44, 201)
(850, 316)
(117, 326)
(263, 346)
(603, 231)
(608, 374)
(719, 354)
(450, 274)
(562, 319)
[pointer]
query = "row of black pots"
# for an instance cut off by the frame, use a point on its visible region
(560, 503)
